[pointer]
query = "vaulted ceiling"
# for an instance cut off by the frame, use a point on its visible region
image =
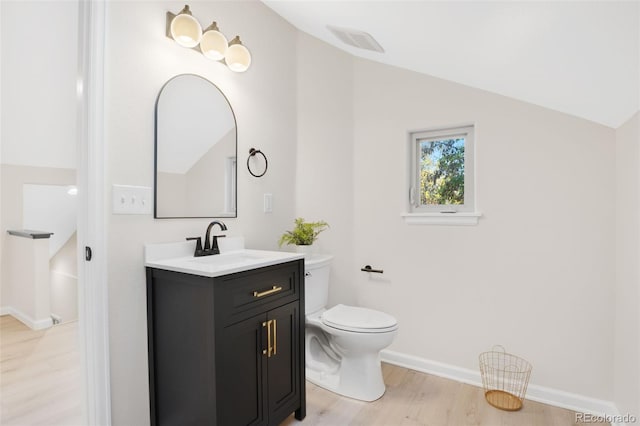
(577, 57)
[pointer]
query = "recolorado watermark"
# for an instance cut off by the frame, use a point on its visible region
(606, 418)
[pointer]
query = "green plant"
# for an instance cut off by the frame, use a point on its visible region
(303, 233)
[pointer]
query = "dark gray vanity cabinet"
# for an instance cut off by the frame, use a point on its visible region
(227, 350)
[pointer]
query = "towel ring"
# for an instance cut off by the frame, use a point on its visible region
(253, 152)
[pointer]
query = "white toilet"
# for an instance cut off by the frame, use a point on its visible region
(343, 343)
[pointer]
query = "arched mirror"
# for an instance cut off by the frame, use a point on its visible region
(196, 150)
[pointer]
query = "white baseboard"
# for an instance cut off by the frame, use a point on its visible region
(545, 395)
(26, 319)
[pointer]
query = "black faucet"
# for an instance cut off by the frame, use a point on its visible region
(209, 248)
(214, 246)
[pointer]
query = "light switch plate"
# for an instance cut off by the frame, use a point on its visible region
(268, 203)
(128, 199)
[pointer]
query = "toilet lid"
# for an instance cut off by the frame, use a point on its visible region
(351, 318)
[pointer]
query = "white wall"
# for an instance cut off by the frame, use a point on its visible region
(536, 275)
(50, 208)
(324, 183)
(27, 280)
(139, 60)
(63, 268)
(39, 69)
(627, 319)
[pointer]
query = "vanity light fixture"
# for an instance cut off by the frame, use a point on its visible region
(187, 32)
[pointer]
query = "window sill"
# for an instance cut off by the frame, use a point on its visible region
(456, 219)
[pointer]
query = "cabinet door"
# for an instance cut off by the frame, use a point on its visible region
(241, 373)
(283, 369)
(181, 349)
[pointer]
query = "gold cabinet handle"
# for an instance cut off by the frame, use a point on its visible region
(271, 345)
(275, 337)
(272, 290)
(268, 350)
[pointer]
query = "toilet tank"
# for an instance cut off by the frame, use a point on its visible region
(316, 282)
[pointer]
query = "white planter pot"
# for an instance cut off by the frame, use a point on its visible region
(304, 249)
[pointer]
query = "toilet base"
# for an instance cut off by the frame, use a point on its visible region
(361, 384)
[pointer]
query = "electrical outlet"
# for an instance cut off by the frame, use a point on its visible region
(128, 199)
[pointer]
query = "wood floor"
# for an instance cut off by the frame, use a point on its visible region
(418, 399)
(40, 375)
(40, 384)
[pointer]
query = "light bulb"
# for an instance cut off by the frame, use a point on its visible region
(237, 57)
(213, 43)
(185, 29)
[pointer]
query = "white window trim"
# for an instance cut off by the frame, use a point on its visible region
(435, 215)
(458, 218)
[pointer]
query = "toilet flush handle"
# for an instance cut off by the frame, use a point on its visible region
(368, 268)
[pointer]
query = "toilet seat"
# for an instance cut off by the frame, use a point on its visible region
(359, 320)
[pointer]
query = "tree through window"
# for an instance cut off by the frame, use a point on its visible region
(442, 171)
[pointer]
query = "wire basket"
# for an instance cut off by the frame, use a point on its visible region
(504, 378)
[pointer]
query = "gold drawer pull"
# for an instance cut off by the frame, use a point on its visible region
(273, 289)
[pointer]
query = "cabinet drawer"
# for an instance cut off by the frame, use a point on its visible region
(243, 292)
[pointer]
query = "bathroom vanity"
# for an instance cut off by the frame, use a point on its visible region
(226, 337)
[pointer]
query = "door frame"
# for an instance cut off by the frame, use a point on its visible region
(92, 275)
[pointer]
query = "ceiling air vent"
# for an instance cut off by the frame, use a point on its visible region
(356, 38)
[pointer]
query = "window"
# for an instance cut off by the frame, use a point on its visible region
(442, 176)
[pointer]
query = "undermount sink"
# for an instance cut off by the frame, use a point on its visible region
(234, 257)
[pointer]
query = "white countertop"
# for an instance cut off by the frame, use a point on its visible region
(178, 257)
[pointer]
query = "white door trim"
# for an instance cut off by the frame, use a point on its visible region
(92, 276)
